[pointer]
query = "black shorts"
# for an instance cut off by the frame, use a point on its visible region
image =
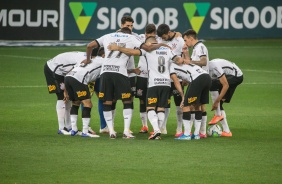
(132, 85)
(158, 96)
(76, 90)
(175, 93)
(141, 87)
(54, 82)
(114, 86)
(198, 91)
(233, 83)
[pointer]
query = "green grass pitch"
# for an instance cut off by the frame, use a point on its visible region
(31, 151)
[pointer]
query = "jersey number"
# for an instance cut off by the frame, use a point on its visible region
(161, 67)
(119, 53)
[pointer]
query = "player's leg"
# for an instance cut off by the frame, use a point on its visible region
(86, 117)
(186, 123)
(179, 113)
(214, 90)
(141, 91)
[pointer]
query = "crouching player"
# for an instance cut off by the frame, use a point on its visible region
(76, 82)
(196, 94)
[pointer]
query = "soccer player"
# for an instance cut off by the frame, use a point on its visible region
(114, 77)
(176, 43)
(226, 76)
(196, 94)
(55, 70)
(142, 79)
(76, 82)
(200, 57)
(158, 82)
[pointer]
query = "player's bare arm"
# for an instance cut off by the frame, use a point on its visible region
(134, 70)
(89, 49)
(127, 51)
(224, 89)
(178, 87)
(151, 47)
(202, 62)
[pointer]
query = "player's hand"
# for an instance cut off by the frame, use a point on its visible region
(113, 46)
(185, 48)
(66, 97)
(182, 103)
(214, 105)
(84, 63)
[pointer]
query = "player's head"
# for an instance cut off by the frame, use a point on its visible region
(127, 21)
(150, 30)
(101, 52)
(125, 30)
(94, 52)
(151, 39)
(190, 37)
(163, 31)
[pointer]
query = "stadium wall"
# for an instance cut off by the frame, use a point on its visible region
(89, 19)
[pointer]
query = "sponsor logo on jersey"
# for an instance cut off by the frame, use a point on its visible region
(168, 101)
(52, 88)
(125, 95)
(82, 13)
(192, 99)
(111, 68)
(152, 100)
(101, 95)
(81, 93)
(196, 13)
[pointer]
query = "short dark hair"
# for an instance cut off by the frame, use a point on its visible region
(163, 29)
(126, 18)
(125, 30)
(150, 28)
(151, 39)
(101, 51)
(190, 32)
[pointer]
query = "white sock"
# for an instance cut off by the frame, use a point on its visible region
(153, 118)
(127, 116)
(109, 120)
(143, 116)
(85, 123)
(60, 108)
(214, 95)
(192, 119)
(167, 111)
(179, 114)
(203, 129)
(224, 123)
(74, 122)
(67, 115)
(197, 126)
(161, 117)
(113, 117)
(187, 127)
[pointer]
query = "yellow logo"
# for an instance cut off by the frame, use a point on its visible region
(125, 95)
(101, 95)
(152, 100)
(168, 101)
(192, 99)
(51, 88)
(81, 93)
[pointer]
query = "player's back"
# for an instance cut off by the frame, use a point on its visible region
(159, 62)
(64, 62)
(117, 61)
(88, 73)
(219, 66)
(187, 72)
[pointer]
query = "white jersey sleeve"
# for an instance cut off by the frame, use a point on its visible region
(200, 50)
(219, 67)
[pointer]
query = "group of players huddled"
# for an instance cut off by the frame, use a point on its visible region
(165, 69)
